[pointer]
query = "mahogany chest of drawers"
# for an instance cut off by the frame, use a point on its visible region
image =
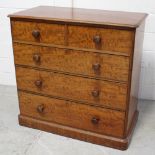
(77, 72)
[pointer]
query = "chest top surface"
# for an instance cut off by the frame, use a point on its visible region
(85, 16)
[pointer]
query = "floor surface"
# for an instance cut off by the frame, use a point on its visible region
(18, 140)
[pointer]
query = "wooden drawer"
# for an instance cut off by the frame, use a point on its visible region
(77, 62)
(38, 32)
(113, 40)
(80, 116)
(101, 38)
(96, 92)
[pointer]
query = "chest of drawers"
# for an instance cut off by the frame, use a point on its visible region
(77, 72)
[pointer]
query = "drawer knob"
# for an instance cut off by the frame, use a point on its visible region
(95, 93)
(97, 39)
(38, 83)
(36, 58)
(40, 108)
(36, 34)
(95, 120)
(96, 67)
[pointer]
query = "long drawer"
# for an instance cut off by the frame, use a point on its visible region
(106, 39)
(96, 92)
(99, 120)
(106, 66)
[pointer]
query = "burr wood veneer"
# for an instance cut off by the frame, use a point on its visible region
(77, 72)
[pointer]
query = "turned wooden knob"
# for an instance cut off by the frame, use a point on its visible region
(96, 67)
(36, 58)
(38, 83)
(36, 34)
(97, 39)
(40, 108)
(95, 120)
(95, 93)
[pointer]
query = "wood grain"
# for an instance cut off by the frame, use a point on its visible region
(82, 16)
(72, 114)
(117, 143)
(77, 62)
(77, 88)
(111, 39)
(78, 72)
(134, 78)
(49, 33)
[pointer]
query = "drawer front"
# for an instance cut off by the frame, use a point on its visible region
(78, 62)
(96, 92)
(38, 32)
(80, 116)
(101, 38)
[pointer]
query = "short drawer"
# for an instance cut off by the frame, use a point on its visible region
(99, 120)
(114, 40)
(90, 91)
(97, 65)
(38, 32)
